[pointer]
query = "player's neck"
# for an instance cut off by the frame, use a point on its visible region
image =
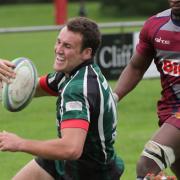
(175, 17)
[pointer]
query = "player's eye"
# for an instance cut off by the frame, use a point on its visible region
(67, 46)
(58, 42)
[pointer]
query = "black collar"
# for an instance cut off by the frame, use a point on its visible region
(86, 63)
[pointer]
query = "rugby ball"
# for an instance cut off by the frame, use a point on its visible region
(18, 94)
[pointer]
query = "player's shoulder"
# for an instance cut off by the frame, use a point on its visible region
(55, 76)
(85, 77)
(164, 14)
(153, 23)
(75, 83)
(160, 18)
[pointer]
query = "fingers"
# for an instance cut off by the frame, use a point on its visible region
(160, 176)
(2, 146)
(2, 135)
(9, 141)
(8, 63)
(6, 70)
(1, 88)
(2, 142)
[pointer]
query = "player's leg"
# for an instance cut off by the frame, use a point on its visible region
(160, 152)
(176, 168)
(146, 165)
(32, 171)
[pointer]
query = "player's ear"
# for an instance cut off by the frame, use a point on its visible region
(87, 53)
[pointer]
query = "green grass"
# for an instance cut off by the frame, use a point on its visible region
(36, 121)
(26, 15)
(38, 46)
(137, 111)
(137, 122)
(12, 16)
(43, 14)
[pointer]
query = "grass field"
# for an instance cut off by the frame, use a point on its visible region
(137, 122)
(137, 112)
(43, 14)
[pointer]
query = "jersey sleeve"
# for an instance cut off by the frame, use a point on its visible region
(75, 123)
(74, 110)
(145, 44)
(49, 83)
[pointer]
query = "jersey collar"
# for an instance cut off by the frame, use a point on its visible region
(86, 63)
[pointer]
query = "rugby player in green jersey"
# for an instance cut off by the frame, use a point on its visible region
(85, 113)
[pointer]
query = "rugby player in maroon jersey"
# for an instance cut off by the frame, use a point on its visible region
(159, 41)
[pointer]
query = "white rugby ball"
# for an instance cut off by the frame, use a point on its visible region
(18, 94)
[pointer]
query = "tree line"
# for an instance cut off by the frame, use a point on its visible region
(114, 7)
(134, 7)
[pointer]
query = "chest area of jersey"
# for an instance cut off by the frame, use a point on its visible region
(167, 48)
(165, 40)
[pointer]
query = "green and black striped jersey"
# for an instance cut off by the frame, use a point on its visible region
(85, 95)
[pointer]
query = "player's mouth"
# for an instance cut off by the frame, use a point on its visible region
(175, 5)
(60, 59)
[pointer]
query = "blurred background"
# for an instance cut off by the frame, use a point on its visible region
(111, 7)
(102, 10)
(28, 28)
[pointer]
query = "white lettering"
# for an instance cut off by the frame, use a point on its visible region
(112, 56)
(160, 40)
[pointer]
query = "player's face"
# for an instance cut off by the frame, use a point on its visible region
(68, 54)
(175, 6)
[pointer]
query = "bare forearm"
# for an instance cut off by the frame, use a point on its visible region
(40, 92)
(69, 147)
(128, 80)
(50, 149)
(132, 74)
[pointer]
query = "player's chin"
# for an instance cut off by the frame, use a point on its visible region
(57, 67)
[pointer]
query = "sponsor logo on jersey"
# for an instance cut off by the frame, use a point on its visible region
(171, 67)
(162, 41)
(74, 106)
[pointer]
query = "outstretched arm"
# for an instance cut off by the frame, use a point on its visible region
(131, 75)
(7, 72)
(40, 91)
(70, 146)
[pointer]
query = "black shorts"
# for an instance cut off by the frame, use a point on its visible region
(49, 166)
(87, 172)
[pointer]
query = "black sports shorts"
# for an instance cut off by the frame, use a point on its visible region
(88, 173)
(49, 166)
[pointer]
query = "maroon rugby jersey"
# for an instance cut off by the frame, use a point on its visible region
(160, 38)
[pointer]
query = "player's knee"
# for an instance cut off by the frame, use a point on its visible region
(162, 155)
(146, 165)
